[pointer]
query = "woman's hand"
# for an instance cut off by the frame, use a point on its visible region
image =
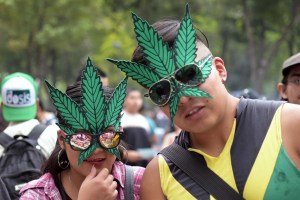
(98, 186)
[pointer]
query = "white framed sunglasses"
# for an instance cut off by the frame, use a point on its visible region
(189, 75)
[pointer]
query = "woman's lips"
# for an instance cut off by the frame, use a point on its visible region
(95, 160)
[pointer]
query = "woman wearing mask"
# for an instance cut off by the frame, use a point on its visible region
(86, 161)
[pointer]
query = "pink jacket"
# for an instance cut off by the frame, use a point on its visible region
(44, 188)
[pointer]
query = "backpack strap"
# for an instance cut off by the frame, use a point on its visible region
(3, 190)
(129, 183)
(34, 134)
(5, 140)
(37, 131)
(190, 164)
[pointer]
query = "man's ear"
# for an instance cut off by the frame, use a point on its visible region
(220, 67)
(38, 104)
(60, 138)
(282, 90)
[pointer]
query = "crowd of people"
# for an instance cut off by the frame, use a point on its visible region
(199, 141)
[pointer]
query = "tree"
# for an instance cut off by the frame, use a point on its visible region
(257, 25)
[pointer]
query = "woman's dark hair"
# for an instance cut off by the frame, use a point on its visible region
(51, 165)
(168, 30)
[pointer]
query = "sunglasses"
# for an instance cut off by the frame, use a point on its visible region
(82, 141)
(190, 75)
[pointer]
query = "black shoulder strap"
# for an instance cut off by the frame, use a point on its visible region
(253, 120)
(5, 139)
(190, 164)
(37, 131)
(129, 183)
(3, 190)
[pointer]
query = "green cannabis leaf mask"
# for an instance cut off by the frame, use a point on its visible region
(95, 113)
(163, 61)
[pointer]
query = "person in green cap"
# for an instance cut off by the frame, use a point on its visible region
(24, 143)
(19, 93)
(229, 148)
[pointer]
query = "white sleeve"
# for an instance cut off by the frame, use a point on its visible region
(47, 140)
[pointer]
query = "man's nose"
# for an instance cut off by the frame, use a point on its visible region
(183, 100)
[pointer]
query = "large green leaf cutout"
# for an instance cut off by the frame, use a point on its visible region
(193, 92)
(68, 109)
(185, 43)
(118, 124)
(205, 66)
(174, 106)
(94, 114)
(182, 90)
(157, 53)
(92, 97)
(174, 99)
(141, 73)
(115, 104)
(85, 154)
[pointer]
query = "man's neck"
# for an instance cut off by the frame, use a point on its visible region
(213, 141)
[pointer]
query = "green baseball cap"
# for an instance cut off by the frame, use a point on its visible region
(19, 93)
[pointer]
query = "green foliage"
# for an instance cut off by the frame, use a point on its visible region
(51, 39)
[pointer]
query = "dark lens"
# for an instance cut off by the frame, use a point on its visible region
(109, 139)
(189, 75)
(80, 141)
(160, 92)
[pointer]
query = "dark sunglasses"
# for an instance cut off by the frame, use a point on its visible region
(82, 141)
(160, 92)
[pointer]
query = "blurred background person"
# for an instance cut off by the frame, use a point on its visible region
(101, 73)
(289, 88)
(19, 94)
(44, 116)
(150, 115)
(170, 137)
(136, 129)
(24, 143)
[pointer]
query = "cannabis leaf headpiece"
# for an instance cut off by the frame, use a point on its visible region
(163, 60)
(94, 114)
